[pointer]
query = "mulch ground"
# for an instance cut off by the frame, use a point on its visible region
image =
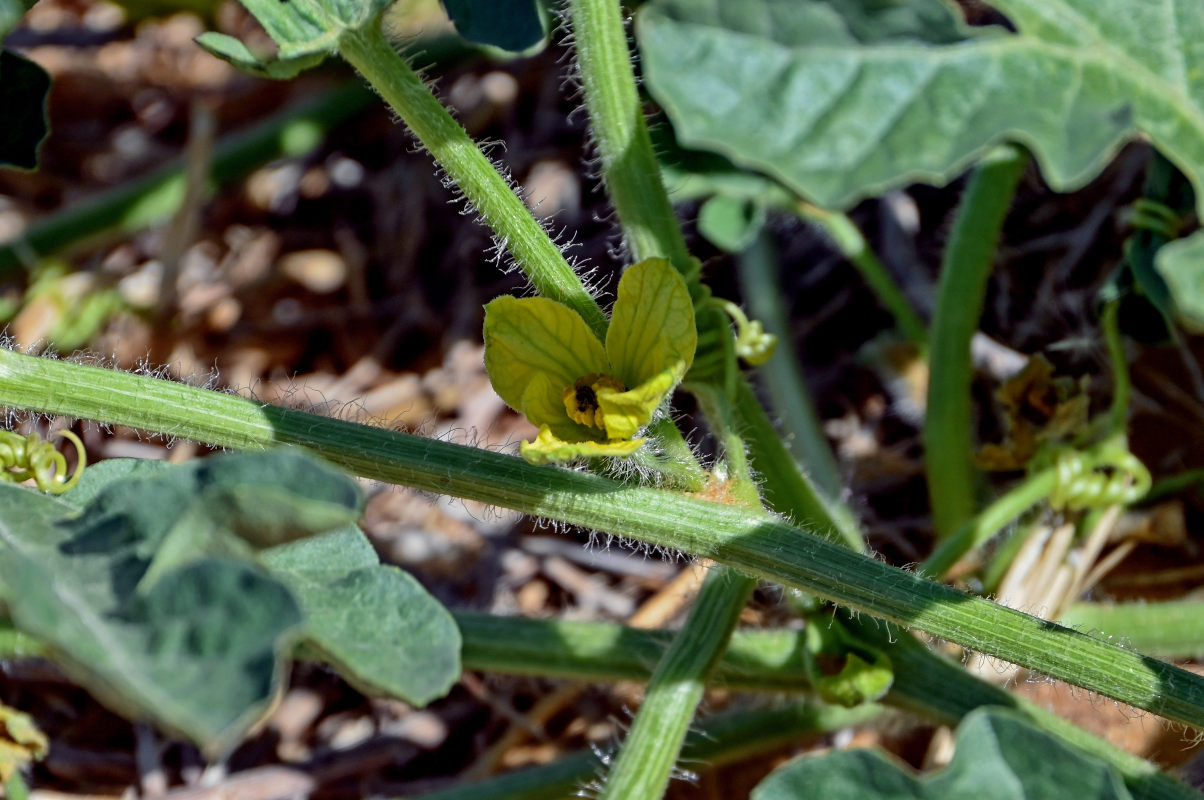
(348, 281)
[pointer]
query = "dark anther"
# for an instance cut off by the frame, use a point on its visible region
(586, 399)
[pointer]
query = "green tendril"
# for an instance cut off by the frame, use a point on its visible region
(24, 458)
(1103, 476)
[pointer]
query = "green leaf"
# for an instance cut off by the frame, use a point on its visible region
(100, 476)
(24, 87)
(305, 32)
(842, 107)
(1181, 265)
(265, 66)
(512, 25)
(731, 223)
(374, 623)
(226, 506)
(998, 756)
(11, 12)
(197, 654)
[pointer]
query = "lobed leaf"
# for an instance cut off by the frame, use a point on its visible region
(305, 32)
(998, 755)
(374, 623)
(141, 584)
(841, 107)
(197, 654)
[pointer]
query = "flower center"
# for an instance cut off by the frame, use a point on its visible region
(581, 398)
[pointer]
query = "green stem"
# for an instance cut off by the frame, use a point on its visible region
(948, 427)
(1174, 629)
(650, 751)
(649, 754)
(156, 196)
(629, 167)
(1122, 390)
(786, 488)
(675, 461)
(722, 739)
(754, 661)
(473, 174)
(742, 538)
(789, 396)
(853, 246)
(771, 661)
(990, 520)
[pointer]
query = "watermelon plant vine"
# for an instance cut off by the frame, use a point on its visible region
(143, 578)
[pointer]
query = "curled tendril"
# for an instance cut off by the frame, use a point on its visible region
(26, 457)
(753, 344)
(1111, 475)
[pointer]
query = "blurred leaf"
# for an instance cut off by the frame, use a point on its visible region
(374, 623)
(1181, 265)
(731, 223)
(24, 87)
(305, 32)
(997, 756)
(264, 65)
(512, 25)
(842, 100)
(98, 477)
(197, 654)
(11, 12)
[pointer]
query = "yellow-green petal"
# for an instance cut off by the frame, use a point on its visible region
(547, 448)
(532, 336)
(543, 404)
(624, 413)
(652, 327)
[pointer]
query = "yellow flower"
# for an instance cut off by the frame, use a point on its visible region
(590, 398)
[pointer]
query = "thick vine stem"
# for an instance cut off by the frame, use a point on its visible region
(948, 430)
(745, 539)
(490, 195)
(629, 167)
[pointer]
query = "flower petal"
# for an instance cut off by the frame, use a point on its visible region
(624, 413)
(532, 336)
(652, 325)
(547, 448)
(543, 404)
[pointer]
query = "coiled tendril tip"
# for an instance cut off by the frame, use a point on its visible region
(29, 457)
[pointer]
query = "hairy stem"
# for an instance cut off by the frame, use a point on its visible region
(748, 540)
(649, 753)
(629, 167)
(473, 174)
(789, 396)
